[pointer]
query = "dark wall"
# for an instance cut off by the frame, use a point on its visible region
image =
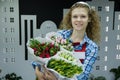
(45, 9)
(49, 10)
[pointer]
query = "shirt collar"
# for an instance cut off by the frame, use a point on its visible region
(85, 39)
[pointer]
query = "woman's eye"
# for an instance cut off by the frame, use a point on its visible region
(83, 16)
(74, 16)
(80, 16)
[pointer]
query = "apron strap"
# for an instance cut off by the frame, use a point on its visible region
(80, 51)
(83, 48)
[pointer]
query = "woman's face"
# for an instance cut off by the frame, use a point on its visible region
(79, 19)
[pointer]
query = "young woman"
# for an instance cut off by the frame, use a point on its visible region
(81, 27)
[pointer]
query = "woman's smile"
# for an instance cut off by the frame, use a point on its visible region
(79, 18)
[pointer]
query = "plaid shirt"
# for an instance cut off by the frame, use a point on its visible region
(90, 53)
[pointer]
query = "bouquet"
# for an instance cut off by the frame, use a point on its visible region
(65, 65)
(42, 49)
(64, 43)
(56, 53)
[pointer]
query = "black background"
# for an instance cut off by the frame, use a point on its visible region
(50, 10)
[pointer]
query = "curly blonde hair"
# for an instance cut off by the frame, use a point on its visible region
(93, 27)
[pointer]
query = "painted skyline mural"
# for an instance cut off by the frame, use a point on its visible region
(19, 24)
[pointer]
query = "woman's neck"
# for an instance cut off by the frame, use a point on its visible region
(77, 36)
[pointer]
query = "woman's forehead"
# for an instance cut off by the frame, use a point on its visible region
(80, 10)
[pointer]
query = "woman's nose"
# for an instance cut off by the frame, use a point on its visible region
(79, 19)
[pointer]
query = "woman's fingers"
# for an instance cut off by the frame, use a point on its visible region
(48, 74)
(50, 77)
(39, 74)
(46, 71)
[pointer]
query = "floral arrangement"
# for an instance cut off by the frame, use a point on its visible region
(56, 53)
(67, 55)
(64, 43)
(43, 49)
(64, 68)
(65, 65)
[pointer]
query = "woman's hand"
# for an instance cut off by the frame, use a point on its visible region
(40, 75)
(49, 75)
(46, 75)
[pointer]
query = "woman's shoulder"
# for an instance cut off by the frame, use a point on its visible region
(63, 31)
(92, 46)
(91, 43)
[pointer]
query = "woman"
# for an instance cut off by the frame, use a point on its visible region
(81, 27)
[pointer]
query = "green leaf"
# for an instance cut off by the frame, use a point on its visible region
(114, 70)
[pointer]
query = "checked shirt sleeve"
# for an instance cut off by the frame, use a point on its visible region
(64, 33)
(91, 54)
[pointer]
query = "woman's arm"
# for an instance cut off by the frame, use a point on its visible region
(88, 63)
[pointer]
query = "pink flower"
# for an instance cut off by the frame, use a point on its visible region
(58, 40)
(63, 41)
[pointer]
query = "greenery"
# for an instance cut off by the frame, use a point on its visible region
(100, 78)
(11, 76)
(116, 72)
(92, 77)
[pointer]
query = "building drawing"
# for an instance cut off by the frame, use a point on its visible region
(109, 48)
(16, 29)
